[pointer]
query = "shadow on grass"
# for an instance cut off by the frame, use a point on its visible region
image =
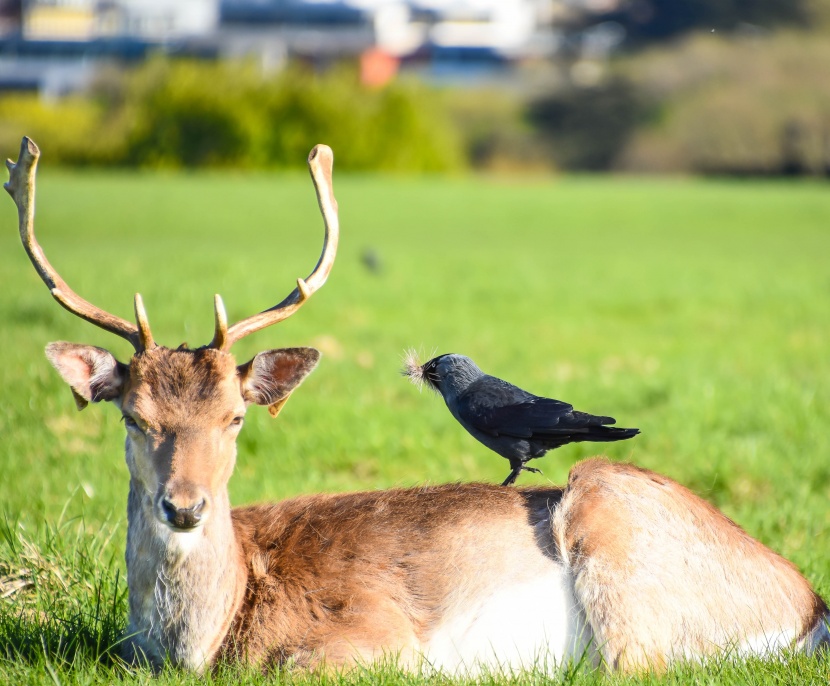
(59, 634)
(62, 597)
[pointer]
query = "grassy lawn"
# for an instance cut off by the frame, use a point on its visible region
(697, 311)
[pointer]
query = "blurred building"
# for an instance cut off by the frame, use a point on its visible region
(401, 28)
(274, 30)
(55, 46)
(85, 20)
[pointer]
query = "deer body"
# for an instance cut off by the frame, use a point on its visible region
(621, 567)
(322, 578)
(441, 573)
(470, 576)
(359, 577)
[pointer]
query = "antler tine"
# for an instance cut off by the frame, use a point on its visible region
(320, 163)
(220, 337)
(145, 337)
(21, 186)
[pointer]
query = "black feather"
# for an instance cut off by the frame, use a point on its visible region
(516, 424)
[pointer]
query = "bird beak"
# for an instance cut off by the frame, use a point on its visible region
(428, 375)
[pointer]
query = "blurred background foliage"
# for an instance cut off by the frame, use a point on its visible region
(702, 86)
(187, 113)
(653, 20)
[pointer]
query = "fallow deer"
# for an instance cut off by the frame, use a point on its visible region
(622, 567)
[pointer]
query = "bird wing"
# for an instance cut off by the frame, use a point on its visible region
(529, 418)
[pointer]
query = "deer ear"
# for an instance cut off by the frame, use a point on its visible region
(92, 373)
(271, 376)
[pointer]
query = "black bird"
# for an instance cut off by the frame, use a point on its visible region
(514, 423)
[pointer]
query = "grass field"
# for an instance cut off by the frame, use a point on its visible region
(697, 311)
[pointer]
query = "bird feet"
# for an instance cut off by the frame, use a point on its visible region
(511, 478)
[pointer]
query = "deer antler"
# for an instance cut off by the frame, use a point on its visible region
(21, 186)
(320, 162)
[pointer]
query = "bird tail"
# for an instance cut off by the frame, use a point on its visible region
(608, 433)
(595, 428)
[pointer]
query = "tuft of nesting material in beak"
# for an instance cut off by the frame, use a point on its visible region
(412, 368)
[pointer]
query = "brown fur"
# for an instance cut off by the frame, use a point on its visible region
(334, 576)
(173, 386)
(658, 573)
(662, 573)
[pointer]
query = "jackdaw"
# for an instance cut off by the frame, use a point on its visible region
(514, 423)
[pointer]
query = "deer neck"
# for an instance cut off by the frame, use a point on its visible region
(184, 588)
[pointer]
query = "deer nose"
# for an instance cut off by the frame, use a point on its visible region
(182, 518)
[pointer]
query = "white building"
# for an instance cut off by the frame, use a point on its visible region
(151, 20)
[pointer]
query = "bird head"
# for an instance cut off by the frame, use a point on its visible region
(446, 374)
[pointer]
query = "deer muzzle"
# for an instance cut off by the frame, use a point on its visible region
(182, 509)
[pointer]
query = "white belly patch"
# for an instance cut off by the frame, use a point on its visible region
(534, 624)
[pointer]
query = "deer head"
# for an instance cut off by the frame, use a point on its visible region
(183, 408)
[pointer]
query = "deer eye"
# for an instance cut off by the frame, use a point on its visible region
(236, 422)
(131, 423)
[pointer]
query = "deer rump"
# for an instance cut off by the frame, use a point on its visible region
(622, 568)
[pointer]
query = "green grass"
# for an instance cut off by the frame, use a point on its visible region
(697, 311)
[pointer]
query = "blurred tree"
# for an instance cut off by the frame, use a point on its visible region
(588, 127)
(734, 106)
(191, 114)
(184, 113)
(651, 20)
